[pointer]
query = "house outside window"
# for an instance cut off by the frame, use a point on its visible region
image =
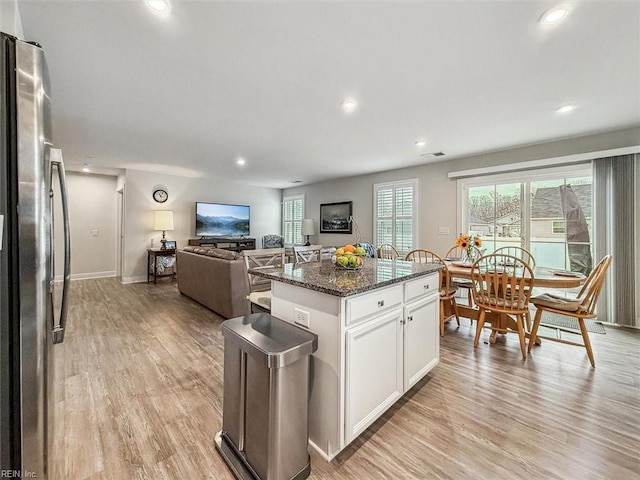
(395, 214)
(292, 215)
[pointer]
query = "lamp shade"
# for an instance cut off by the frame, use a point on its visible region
(163, 220)
(307, 227)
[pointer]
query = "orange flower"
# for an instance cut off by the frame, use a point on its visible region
(465, 241)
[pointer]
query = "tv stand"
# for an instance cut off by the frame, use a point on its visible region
(237, 244)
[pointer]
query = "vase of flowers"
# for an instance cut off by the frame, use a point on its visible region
(468, 245)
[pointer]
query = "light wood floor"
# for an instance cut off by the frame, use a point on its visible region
(141, 370)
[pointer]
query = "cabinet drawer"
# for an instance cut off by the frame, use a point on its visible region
(421, 286)
(374, 302)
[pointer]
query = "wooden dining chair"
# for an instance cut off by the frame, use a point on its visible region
(502, 284)
(456, 253)
(519, 252)
(260, 287)
(306, 254)
(448, 305)
(580, 307)
(420, 255)
(388, 251)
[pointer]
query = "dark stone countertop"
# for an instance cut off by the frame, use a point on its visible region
(326, 278)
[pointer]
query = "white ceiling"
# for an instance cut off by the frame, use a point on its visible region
(192, 91)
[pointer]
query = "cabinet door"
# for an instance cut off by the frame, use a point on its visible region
(421, 339)
(373, 371)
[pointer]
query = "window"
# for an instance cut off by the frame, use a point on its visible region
(395, 214)
(558, 227)
(292, 215)
(548, 212)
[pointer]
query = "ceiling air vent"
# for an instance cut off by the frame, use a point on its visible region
(432, 154)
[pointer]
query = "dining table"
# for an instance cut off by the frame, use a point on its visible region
(543, 277)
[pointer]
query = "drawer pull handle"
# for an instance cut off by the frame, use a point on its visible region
(426, 287)
(380, 303)
(411, 318)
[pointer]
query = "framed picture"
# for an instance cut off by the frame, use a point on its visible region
(170, 245)
(334, 217)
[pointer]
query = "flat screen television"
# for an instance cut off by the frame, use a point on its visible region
(222, 220)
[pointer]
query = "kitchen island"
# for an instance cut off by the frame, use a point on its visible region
(378, 334)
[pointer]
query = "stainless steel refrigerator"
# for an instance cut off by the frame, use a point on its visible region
(29, 327)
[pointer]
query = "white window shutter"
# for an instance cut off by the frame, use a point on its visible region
(292, 215)
(395, 214)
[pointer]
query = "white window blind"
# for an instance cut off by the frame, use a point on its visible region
(292, 215)
(395, 214)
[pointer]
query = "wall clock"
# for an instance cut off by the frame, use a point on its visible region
(160, 195)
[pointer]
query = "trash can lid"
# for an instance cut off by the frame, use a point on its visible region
(279, 342)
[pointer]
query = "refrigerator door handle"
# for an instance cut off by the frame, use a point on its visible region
(57, 162)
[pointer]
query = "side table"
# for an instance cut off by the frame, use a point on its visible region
(152, 256)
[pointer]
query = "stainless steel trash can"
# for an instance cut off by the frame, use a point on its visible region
(265, 429)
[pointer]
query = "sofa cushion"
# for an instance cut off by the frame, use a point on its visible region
(220, 253)
(189, 248)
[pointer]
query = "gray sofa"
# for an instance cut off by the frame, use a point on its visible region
(214, 278)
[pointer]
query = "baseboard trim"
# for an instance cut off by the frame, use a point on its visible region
(87, 276)
(139, 279)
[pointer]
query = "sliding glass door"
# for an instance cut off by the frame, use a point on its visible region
(547, 212)
(495, 212)
(560, 236)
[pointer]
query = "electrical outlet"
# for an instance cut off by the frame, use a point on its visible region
(443, 231)
(152, 242)
(301, 317)
(94, 233)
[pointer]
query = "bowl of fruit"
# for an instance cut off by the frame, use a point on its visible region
(349, 257)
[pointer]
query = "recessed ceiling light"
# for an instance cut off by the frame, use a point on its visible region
(241, 162)
(86, 168)
(565, 108)
(421, 143)
(349, 105)
(159, 5)
(554, 15)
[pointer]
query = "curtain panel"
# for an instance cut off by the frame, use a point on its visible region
(616, 233)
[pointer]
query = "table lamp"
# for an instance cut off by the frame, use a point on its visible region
(163, 220)
(307, 229)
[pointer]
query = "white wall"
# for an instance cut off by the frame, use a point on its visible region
(183, 193)
(637, 236)
(10, 21)
(92, 206)
(437, 194)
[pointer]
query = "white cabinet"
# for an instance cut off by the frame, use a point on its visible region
(421, 338)
(372, 348)
(387, 354)
(373, 370)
